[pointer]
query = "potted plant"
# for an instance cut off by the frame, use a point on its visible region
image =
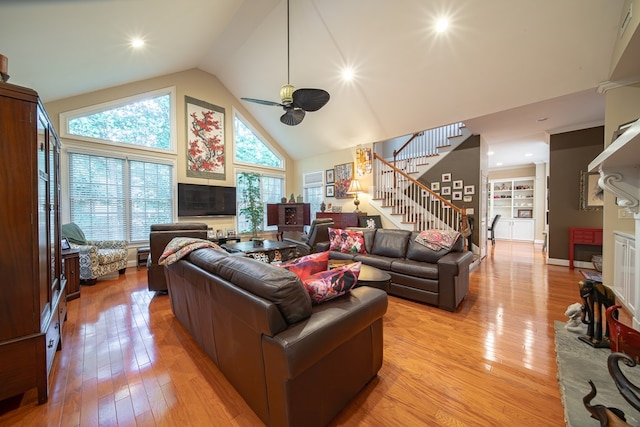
(252, 206)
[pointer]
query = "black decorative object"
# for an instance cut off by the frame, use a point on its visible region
(595, 295)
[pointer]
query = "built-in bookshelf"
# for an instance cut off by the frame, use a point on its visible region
(513, 200)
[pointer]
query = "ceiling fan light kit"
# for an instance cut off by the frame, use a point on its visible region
(295, 102)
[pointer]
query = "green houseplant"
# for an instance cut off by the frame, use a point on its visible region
(252, 206)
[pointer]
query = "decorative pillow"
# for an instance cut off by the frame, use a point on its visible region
(335, 240)
(346, 241)
(308, 265)
(326, 285)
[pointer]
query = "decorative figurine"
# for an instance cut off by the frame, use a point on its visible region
(323, 207)
(595, 295)
(292, 199)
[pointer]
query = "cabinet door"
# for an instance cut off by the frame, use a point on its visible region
(619, 255)
(44, 254)
(522, 230)
(503, 229)
(17, 202)
(631, 274)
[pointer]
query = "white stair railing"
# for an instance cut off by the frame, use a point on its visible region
(416, 203)
(422, 145)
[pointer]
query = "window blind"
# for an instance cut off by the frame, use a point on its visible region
(118, 199)
(96, 196)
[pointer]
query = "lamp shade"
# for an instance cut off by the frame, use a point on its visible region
(354, 187)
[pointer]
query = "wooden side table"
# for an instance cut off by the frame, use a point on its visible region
(583, 236)
(71, 258)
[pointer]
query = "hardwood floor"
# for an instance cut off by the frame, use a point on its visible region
(126, 361)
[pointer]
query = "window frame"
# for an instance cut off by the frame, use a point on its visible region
(108, 105)
(262, 139)
(127, 157)
(318, 185)
(262, 173)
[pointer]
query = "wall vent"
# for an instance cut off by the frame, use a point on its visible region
(626, 20)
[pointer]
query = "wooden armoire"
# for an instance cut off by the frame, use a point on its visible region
(32, 286)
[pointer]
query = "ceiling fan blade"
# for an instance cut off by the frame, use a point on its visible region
(263, 102)
(292, 116)
(310, 99)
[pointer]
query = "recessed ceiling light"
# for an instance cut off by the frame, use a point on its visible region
(347, 74)
(137, 42)
(528, 155)
(542, 119)
(499, 164)
(490, 153)
(442, 24)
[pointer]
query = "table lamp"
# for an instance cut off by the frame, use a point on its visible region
(354, 188)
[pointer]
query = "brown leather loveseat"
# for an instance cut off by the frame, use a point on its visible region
(294, 364)
(159, 236)
(439, 278)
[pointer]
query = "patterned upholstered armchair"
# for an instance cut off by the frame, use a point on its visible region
(97, 257)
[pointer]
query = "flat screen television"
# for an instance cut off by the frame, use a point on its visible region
(206, 200)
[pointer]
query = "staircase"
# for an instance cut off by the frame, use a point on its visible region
(406, 202)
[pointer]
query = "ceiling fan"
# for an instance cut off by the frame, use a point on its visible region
(295, 102)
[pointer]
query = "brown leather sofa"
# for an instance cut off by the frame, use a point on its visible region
(294, 364)
(159, 236)
(439, 278)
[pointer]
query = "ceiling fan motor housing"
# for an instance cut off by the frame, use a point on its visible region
(286, 94)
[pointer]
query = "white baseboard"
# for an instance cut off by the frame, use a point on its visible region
(576, 264)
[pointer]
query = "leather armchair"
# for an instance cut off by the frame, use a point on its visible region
(318, 232)
(160, 235)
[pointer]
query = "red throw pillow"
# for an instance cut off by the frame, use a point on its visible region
(335, 240)
(346, 241)
(326, 285)
(308, 265)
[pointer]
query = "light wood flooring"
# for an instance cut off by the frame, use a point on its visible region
(126, 361)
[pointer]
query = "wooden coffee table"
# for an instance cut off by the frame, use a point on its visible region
(269, 251)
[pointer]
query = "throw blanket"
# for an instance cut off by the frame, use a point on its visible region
(179, 247)
(437, 239)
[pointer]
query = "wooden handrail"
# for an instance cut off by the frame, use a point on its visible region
(419, 184)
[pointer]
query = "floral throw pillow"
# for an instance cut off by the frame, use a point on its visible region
(335, 240)
(346, 241)
(327, 285)
(308, 265)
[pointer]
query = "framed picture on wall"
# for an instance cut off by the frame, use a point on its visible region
(457, 185)
(435, 186)
(446, 177)
(344, 175)
(329, 176)
(591, 195)
(446, 191)
(525, 213)
(330, 191)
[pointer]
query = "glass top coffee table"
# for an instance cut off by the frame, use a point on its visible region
(369, 276)
(269, 251)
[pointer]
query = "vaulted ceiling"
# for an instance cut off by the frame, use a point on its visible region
(501, 66)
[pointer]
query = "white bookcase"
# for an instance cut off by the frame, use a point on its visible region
(513, 199)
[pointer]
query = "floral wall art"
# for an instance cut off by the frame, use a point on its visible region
(343, 177)
(205, 140)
